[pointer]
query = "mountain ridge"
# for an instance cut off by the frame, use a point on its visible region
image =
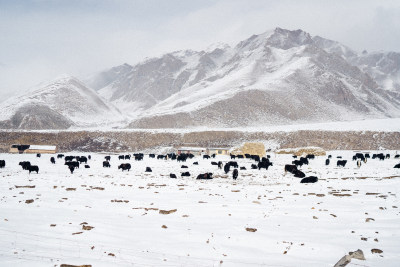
(277, 77)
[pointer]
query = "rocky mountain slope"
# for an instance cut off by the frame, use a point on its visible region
(277, 77)
(60, 104)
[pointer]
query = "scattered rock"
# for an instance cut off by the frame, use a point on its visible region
(376, 250)
(28, 201)
(164, 226)
(369, 219)
(167, 211)
(358, 254)
(70, 189)
(87, 227)
(251, 230)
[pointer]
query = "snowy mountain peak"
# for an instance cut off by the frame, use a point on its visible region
(276, 77)
(67, 97)
(285, 39)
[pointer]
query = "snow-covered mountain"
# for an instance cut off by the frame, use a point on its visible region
(277, 77)
(59, 104)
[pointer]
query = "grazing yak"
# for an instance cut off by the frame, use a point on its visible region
(341, 163)
(214, 163)
(206, 157)
(2, 163)
(75, 164)
(128, 157)
(87, 166)
(297, 163)
(121, 157)
(138, 157)
(182, 157)
(148, 169)
(53, 160)
(380, 156)
(310, 179)
(71, 169)
(264, 164)
(233, 164)
(204, 176)
(195, 163)
(60, 156)
(124, 166)
(219, 164)
(358, 163)
(152, 156)
(233, 156)
(290, 168)
(243, 168)
(184, 167)
(38, 155)
(33, 168)
(106, 164)
(25, 164)
(397, 166)
(253, 166)
(293, 170)
(69, 158)
(108, 158)
(227, 167)
(397, 156)
(327, 161)
(298, 174)
(89, 157)
(304, 161)
(172, 175)
(82, 159)
(185, 174)
(310, 156)
(235, 174)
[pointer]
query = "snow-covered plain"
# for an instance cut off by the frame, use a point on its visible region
(297, 224)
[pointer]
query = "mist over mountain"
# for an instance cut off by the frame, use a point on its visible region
(277, 77)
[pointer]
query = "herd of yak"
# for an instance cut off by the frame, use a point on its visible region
(73, 162)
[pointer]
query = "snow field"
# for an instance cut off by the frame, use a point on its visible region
(297, 224)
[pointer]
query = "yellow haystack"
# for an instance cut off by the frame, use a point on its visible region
(250, 148)
(302, 151)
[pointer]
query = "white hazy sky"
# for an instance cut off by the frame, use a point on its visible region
(41, 39)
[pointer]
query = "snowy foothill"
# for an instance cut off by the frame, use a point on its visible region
(108, 217)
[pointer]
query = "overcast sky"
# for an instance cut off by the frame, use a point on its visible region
(41, 39)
